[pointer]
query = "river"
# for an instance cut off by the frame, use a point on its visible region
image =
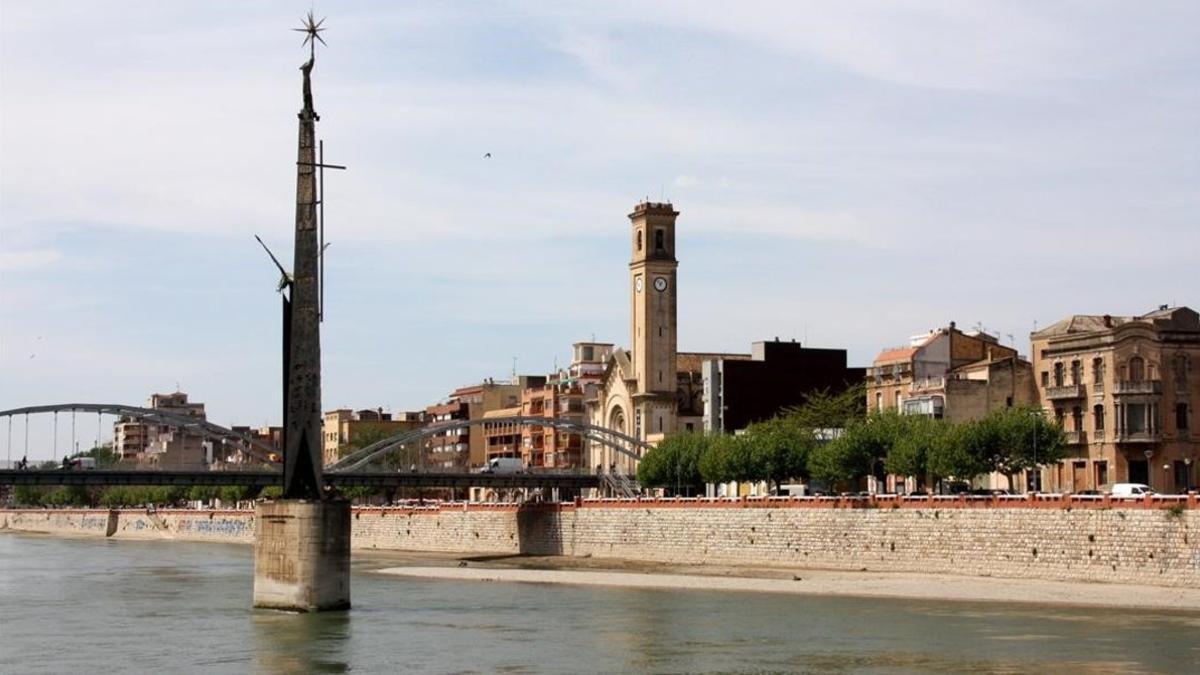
(103, 606)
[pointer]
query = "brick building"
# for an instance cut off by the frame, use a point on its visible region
(343, 428)
(1124, 388)
(163, 445)
(949, 374)
(465, 448)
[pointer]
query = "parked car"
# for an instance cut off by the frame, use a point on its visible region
(1131, 490)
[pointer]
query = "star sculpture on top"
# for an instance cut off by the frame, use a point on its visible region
(313, 29)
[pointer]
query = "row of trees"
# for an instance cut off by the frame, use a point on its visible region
(828, 440)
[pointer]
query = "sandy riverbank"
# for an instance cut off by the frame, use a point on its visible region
(893, 585)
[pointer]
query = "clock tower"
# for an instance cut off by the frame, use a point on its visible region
(653, 297)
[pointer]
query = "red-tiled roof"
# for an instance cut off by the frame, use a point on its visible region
(891, 355)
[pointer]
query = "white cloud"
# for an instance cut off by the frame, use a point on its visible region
(29, 259)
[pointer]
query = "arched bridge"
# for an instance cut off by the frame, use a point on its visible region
(258, 450)
(620, 442)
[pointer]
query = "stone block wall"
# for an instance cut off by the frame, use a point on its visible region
(1155, 546)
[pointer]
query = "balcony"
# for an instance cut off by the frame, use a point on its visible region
(1145, 387)
(1075, 437)
(1065, 392)
(927, 384)
(1138, 436)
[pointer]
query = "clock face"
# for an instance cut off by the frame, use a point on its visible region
(660, 284)
(637, 283)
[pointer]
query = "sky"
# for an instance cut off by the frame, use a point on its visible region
(848, 174)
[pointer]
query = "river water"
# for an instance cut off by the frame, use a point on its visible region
(102, 606)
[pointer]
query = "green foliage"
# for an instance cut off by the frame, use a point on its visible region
(919, 444)
(359, 492)
(29, 495)
(675, 461)
(271, 492)
(68, 495)
(728, 458)
(136, 496)
(203, 493)
(232, 494)
(822, 410)
(779, 449)
(854, 453)
(104, 456)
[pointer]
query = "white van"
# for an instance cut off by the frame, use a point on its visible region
(503, 465)
(1131, 490)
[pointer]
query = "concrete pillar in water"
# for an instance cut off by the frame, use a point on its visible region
(302, 555)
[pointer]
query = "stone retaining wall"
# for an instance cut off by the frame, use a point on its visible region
(1154, 546)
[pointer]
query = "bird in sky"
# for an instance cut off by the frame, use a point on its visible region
(487, 155)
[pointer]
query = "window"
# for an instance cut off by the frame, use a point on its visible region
(1058, 374)
(1098, 370)
(1098, 417)
(1137, 369)
(660, 424)
(1135, 418)
(1008, 402)
(1077, 418)
(659, 239)
(1058, 416)
(879, 401)
(1101, 473)
(1181, 416)
(639, 240)
(1181, 369)
(1045, 379)
(1076, 372)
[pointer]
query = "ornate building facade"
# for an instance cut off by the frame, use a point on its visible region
(1125, 390)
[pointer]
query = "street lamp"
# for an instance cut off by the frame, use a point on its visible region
(1166, 476)
(1187, 463)
(1149, 474)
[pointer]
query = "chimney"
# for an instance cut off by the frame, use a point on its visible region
(952, 324)
(1108, 321)
(1162, 307)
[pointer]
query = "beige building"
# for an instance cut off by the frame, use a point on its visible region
(143, 442)
(949, 374)
(343, 428)
(465, 448)
(1124, 389)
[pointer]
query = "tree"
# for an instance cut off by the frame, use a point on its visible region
(822, 410)
(728, 458)
(1022, 439)
(856, 452)
(778, 449)
(675, 461)
(29, 495)
(919, 444)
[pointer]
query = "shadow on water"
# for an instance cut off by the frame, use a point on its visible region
(301, 643)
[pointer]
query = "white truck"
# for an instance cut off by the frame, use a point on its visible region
(1131, 490)
(503, 465)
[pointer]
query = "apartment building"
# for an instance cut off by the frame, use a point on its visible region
(1124, 388)
(465, 447)
(951, 374)
(163, 445)
(343, 429)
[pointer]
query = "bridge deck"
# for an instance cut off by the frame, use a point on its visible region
(266, 478)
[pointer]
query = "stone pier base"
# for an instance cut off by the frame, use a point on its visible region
(302, 555)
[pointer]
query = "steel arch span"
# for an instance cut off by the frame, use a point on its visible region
(257, 449)
(622, 443)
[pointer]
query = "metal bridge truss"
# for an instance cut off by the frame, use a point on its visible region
(622, 443)
(255, 448)
(261, 479)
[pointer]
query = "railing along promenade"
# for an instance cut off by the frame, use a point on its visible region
(891, 501)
